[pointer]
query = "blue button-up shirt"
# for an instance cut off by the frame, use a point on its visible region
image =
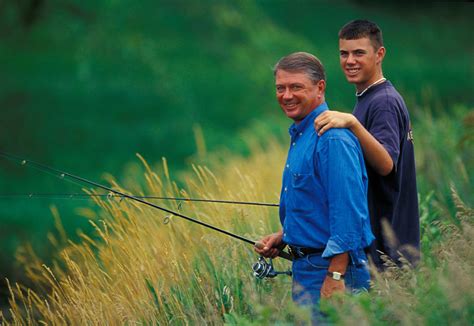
(323, 202)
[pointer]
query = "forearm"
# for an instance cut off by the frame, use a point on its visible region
(333, 285)
(339, 263)
(374, 152)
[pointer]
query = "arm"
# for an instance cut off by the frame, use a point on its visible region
(342, 169)
(330, 286)
(375, 153)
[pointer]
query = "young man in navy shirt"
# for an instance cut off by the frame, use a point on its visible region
(381, 122)
(323, 202)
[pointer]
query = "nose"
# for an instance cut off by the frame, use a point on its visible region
(287, 95)
(350, 59)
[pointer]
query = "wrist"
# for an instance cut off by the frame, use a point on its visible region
(337, 276)
(339, 263)
(354, 124)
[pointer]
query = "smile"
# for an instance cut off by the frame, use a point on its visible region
(352, 71)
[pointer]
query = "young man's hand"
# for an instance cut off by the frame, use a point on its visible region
(333, 119)
(374, 152)
(269, 246)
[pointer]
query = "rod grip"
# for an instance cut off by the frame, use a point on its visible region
(283, 254)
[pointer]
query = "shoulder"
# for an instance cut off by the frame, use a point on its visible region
(386, 98)
(338, 135)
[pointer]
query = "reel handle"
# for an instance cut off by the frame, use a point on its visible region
(283, 254)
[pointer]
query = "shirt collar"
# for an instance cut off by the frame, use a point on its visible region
(308, 120)
(373, 88)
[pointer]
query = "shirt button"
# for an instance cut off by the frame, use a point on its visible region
(286, 188)
(294, 144)
(284, 234)
(301, 134)
(287, 165)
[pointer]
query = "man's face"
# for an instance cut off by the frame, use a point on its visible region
(360, 62)
(297, 95)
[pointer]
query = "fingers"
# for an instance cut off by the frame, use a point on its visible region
(321, 123)
(325, 128)
(268, 253)
(261, 248)
(274, 252)
(321, 120)
(267, 247)
(333, 119)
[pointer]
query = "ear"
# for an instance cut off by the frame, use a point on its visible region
(380, 54)
(321, 85)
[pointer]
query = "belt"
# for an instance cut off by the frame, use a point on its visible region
(300, 252)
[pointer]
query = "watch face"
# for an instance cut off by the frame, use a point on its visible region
(335, 275)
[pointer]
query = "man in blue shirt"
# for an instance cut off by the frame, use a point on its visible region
(381, 122)
(323, 203)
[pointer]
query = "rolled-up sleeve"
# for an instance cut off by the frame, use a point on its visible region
(342, 175)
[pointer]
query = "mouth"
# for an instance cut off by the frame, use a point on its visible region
(352, 71)
(290, 106)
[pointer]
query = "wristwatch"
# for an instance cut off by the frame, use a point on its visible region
(335, 275)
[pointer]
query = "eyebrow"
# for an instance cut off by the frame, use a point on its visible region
(356, 50)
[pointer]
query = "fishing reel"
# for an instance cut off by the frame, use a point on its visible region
(263, 269)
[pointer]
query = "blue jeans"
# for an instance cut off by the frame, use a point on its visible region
(308, 276)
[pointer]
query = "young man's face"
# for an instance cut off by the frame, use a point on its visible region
(297, 94)
(360, 62)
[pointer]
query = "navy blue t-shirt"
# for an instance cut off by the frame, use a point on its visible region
(382, 111)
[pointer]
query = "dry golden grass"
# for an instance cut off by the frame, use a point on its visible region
(145, 267)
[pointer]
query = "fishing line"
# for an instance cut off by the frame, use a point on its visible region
(80, 196)
(81, 181)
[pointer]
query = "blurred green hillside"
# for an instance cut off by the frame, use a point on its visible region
(85, 85)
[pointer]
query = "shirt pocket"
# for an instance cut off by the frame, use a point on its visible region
(302, 194)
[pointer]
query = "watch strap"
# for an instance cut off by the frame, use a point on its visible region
(335, 275)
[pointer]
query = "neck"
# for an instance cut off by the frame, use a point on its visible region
(313, 107)
(375, 81)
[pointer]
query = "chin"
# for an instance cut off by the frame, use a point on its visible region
(352, 79)
(293, 116)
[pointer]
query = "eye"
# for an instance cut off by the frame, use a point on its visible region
(296, 87)
(343, 54)
(280, 89)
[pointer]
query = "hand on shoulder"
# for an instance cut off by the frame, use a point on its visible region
(333, 119)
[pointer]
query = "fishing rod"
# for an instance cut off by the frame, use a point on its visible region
(261, 268)
(112, 195)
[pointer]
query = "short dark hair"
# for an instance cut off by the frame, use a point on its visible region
(302, 62)
(360, 28)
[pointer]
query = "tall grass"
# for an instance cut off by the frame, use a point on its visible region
(146, 267)
(439, 291)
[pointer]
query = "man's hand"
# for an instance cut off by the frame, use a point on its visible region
(331, 287)
(333, 119)
(269, 245)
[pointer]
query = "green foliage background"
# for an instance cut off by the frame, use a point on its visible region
(85, 85)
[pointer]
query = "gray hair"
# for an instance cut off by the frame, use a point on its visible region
(302, 62)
